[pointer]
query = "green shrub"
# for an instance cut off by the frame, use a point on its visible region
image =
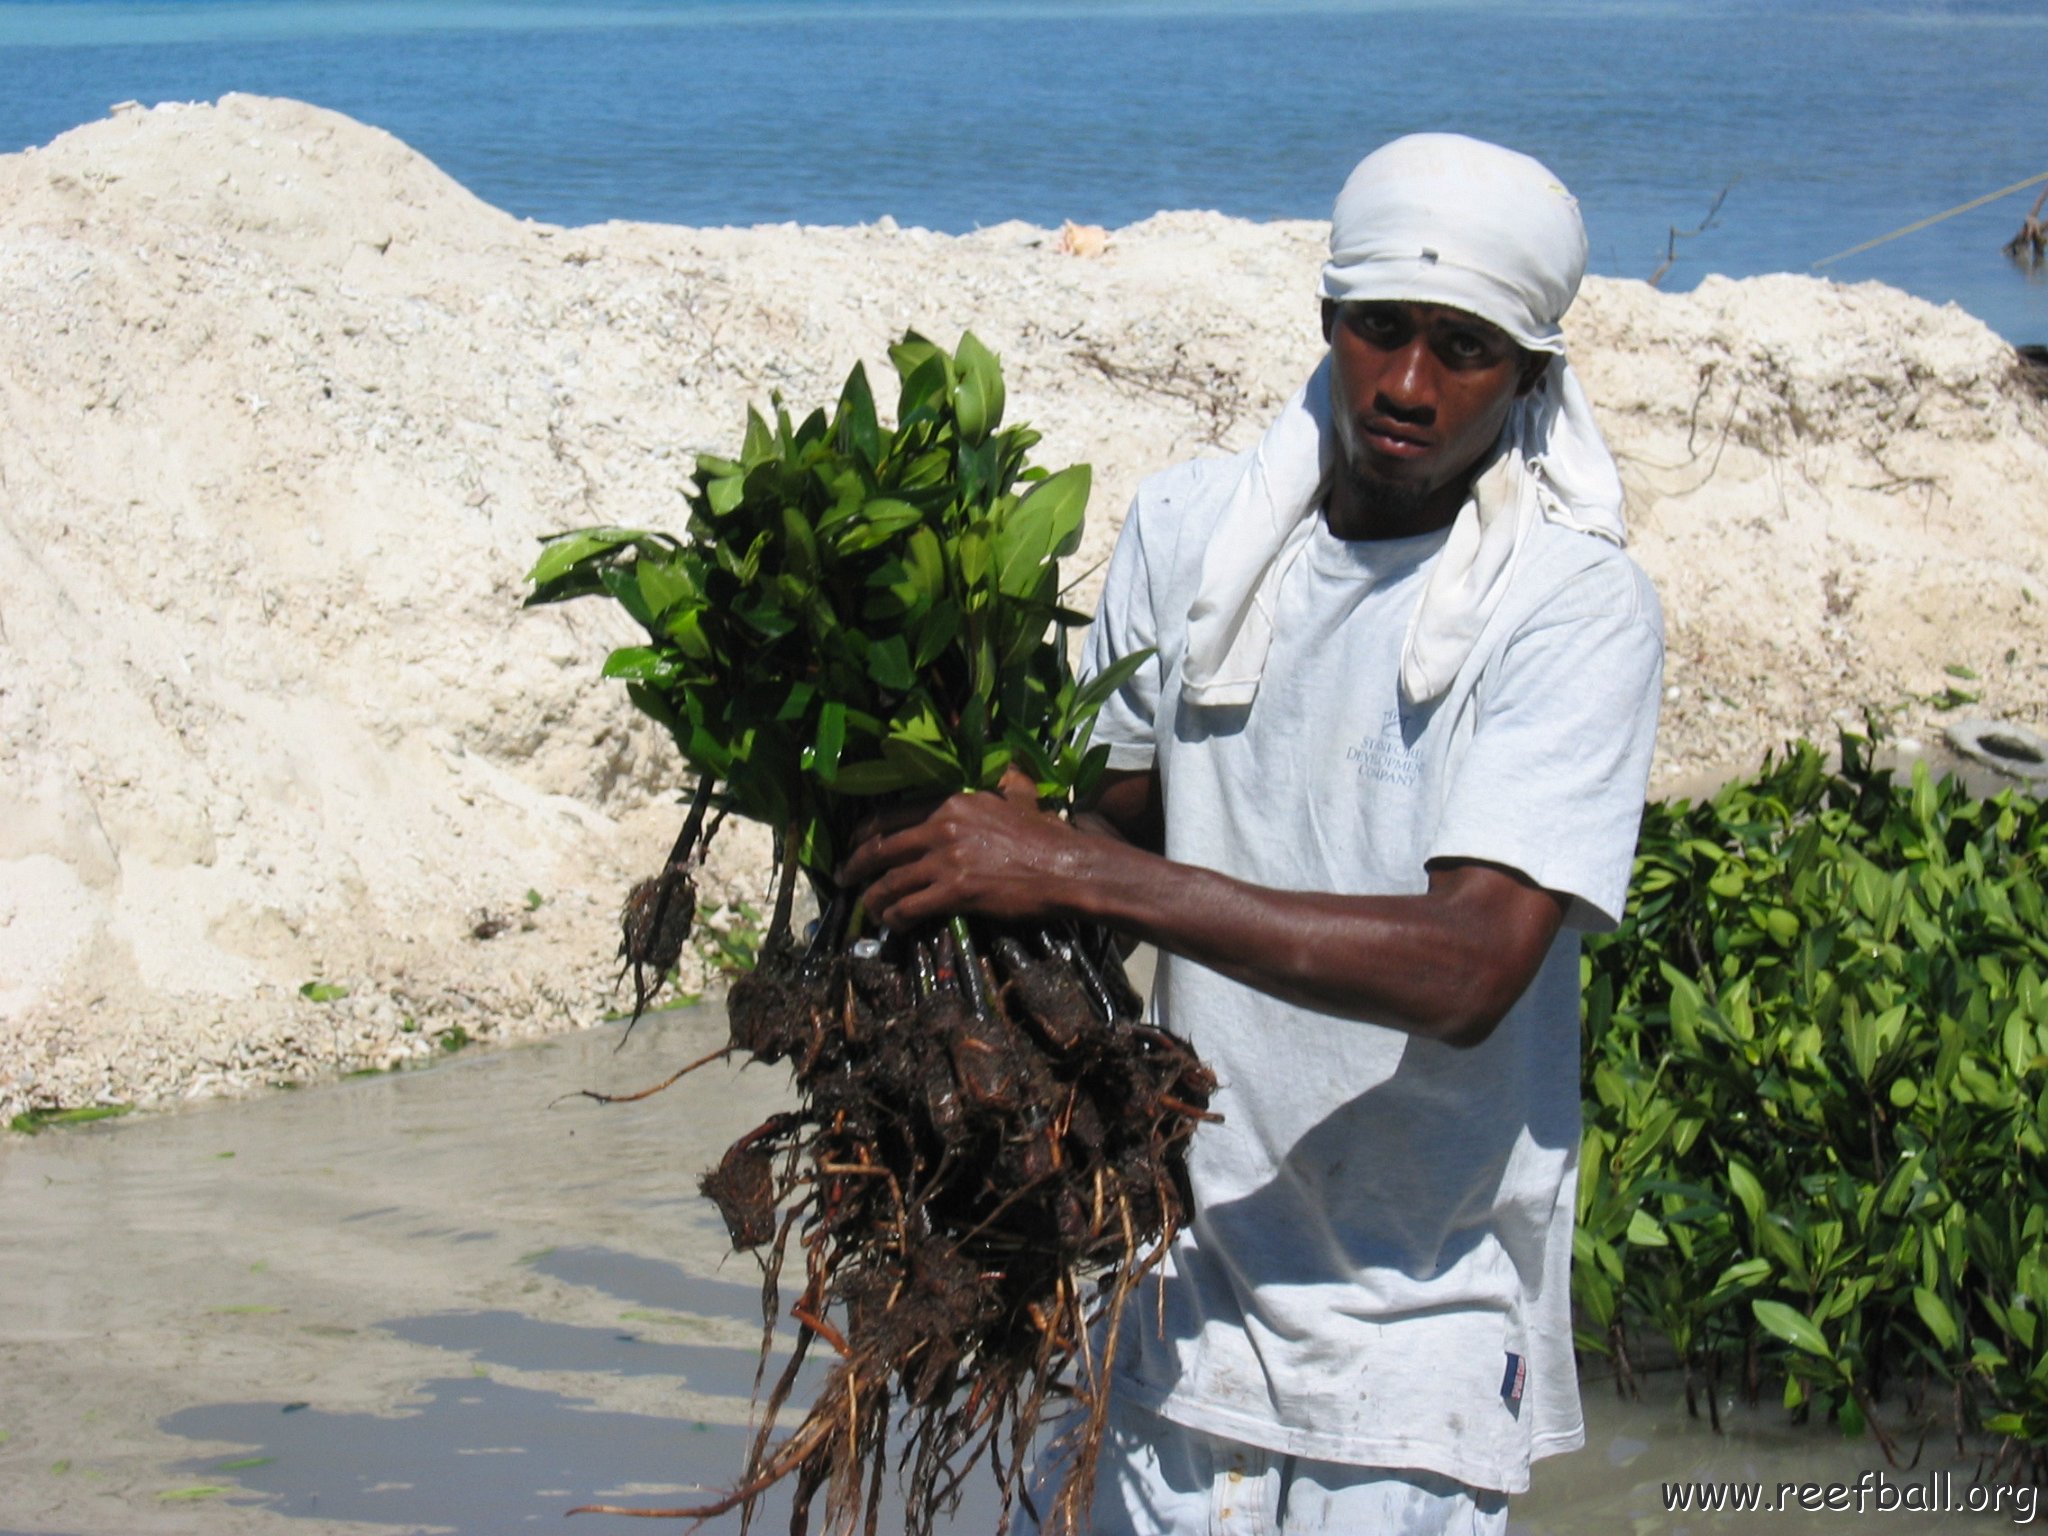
(1816, 1058)
(857, 611)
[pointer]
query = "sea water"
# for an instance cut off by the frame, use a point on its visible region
(1806, 126)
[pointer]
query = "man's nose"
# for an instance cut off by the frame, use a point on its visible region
(1407, 384)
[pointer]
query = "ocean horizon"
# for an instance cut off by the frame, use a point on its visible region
(1802, 128)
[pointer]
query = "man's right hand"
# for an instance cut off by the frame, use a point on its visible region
(979, 855)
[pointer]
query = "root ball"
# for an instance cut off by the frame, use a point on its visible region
(983, 1173)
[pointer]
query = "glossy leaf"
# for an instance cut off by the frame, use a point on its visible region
(567, 550)
(1792, 1326)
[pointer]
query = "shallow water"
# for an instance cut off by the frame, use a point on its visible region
(448, 1300)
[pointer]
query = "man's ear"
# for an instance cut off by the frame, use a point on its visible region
(1329, 319)
(1533, 365)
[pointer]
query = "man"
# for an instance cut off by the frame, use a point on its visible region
(1384, 765)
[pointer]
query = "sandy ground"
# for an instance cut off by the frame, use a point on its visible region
(439, 1301)
(283, 409)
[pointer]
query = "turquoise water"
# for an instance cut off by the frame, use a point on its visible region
(1828, 124)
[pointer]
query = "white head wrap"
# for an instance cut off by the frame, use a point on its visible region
(1434, 218)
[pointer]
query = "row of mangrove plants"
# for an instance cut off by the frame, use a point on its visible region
(1816, 1079)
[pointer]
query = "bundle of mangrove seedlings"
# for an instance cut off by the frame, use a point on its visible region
(988, 1149)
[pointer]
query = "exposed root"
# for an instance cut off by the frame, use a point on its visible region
(987, 1157)
(647, 1093)
(659, 912)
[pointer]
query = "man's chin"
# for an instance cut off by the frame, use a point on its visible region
(1387, 503)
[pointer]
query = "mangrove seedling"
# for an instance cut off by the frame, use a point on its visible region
(989, 1148)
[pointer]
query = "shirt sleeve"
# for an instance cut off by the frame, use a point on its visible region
(1552, 780)
(1125, 623)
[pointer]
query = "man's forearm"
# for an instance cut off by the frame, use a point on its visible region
(1446, 964)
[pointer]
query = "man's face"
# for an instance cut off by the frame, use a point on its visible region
(1419, 394)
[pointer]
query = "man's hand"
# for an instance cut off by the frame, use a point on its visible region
(984, 855)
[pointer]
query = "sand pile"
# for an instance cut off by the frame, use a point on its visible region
(282, 410)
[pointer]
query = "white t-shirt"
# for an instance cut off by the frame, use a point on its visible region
(1378, 1266)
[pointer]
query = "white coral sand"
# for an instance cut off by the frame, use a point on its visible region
(283, 409)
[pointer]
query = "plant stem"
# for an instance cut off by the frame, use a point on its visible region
(785, 888)
(1097, 989)
(970, 967)
(687, 840)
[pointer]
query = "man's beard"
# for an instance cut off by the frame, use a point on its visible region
(1385, 503)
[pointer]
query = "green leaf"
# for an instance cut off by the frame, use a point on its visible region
(619, 580)
(1096, 691)
(926, 564)
(815, 427)
(1644, 1231)
(1748, 1190)
(685, 631)
(923, 760)
(976, 560)
(799, 542)
(640, 662)
(1042, 527)
(927, 374)
(889, 663)
(770, 620)
(724, 494)
(664, 584)
(1936, 1315)
(831, 739)
(878, 521)
(1688, 1004)
(1792, 1327)
(759, 445)
(855, 425)
(977, 390)
(323, 991)
(563, 551)
(937, 630)
(1849, 1416)
(1742, 1276)
(797, 702)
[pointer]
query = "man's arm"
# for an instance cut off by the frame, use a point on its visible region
(1447, 964)
(1127, 805)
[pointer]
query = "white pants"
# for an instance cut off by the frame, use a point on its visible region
(1158, 1478)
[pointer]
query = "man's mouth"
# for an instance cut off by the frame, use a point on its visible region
(1393, 441)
